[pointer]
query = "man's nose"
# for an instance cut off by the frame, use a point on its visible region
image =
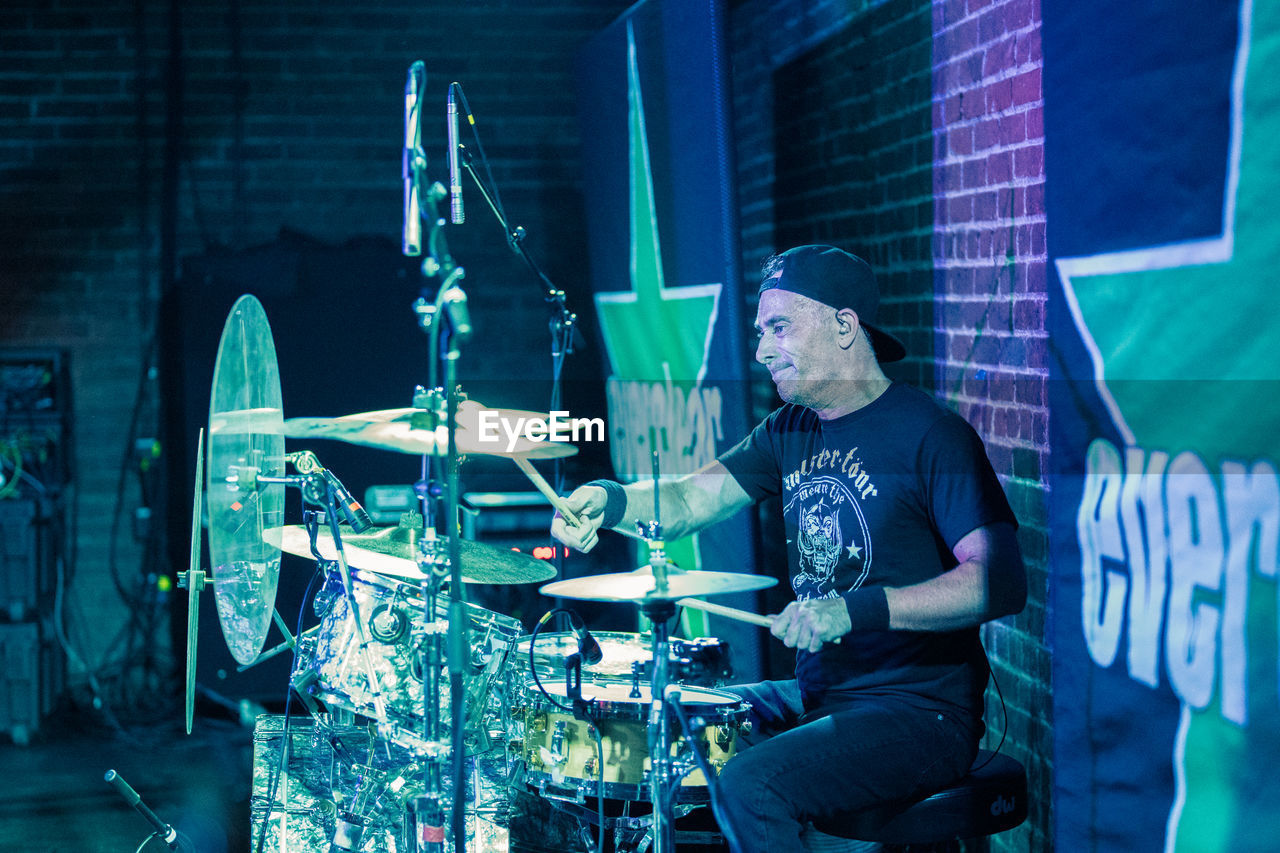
(764, 349)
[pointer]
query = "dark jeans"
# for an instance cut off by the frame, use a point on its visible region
(801, 767)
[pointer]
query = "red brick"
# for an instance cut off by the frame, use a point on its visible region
(986, 134)
(984, 207)
(975, 173)
(999, 169)
(990, 25)
(999, 96)
(1028, 161)
(1027, 88)
(1013, 129)
(960, 209)
(1035, 123)
(999, 56)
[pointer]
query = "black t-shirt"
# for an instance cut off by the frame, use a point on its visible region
(877, 497)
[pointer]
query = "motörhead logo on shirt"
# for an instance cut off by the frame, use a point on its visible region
(832, 539)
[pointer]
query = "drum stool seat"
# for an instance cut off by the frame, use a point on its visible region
(991, 798)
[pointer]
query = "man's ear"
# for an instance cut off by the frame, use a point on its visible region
(847, 327)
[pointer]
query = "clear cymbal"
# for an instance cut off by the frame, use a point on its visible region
(246, 441)
(480, 430)
(639, 586)
(393, 551)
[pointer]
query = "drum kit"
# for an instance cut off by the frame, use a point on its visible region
(427, 705)
(423, 708)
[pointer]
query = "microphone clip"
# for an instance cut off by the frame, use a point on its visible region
(582, 708)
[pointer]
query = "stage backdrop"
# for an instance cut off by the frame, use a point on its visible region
(663, 243)
(1163, 173)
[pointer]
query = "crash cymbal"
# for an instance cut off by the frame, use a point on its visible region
(639, 586)
(481, 430)
(246, 442)
(393, 551)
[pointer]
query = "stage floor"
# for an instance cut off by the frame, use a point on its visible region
(57, 801)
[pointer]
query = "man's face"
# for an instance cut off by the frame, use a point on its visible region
(798, 343)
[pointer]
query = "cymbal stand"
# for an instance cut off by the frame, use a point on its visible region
(662, 776)
(658, 609)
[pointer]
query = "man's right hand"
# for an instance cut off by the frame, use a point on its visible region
(587, 503)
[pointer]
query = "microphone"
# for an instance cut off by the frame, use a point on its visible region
(352, 511)
(455, 302)
(167, 833)
(587, 645)
(457, 217)
(412, 143)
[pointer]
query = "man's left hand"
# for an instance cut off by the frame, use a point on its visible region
(809, 624)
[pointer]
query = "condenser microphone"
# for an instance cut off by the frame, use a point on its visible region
(412, 144)
(455, 169)
(351, 510)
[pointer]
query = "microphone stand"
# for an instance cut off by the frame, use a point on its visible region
(563, 323)
(429, 812)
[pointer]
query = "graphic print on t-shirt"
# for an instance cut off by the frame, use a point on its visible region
(832, 541)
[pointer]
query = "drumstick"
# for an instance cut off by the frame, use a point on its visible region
(547, 492)
(733, 613)
(556, 501)
(727, 612)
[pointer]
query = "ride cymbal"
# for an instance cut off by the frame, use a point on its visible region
(394, 550)
(480, 430)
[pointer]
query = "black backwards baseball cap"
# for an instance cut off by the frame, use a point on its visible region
(834, 277)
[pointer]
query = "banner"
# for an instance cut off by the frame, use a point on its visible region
(1162, 171)
(662, 231)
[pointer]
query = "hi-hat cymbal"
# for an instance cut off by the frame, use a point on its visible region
(393, 551)
(481, 430)
(639, 586)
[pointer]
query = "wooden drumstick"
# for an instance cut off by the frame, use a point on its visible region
(727, 612)
(734, 613)
(556, 501)
(547, 492)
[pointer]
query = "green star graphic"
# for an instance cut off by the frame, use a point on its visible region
(1184, 343)
(653, 332)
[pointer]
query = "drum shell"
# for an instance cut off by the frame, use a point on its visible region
(559, 752)
(391, 610)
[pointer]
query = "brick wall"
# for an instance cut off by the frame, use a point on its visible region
(291, 117)
(989, 256)
(832, 148)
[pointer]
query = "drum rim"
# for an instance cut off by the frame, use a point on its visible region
(730, 699)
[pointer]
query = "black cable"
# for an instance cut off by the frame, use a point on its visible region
(1004, 710)
(280, 767)
(533, 669)
(713, 780)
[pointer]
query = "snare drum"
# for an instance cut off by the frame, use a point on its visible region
(559, 752)
(391, 610)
